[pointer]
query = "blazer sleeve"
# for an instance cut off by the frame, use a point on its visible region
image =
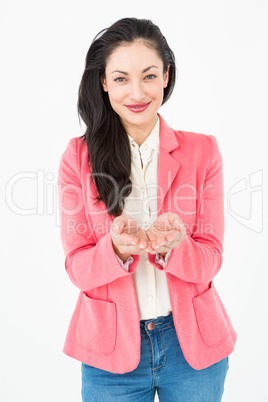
(199, 256)
(88, 262)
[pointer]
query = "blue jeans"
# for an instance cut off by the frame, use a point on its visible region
(162, 368)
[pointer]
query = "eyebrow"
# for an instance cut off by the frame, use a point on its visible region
(125, 73)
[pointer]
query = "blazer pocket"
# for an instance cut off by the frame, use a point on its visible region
(96, 325)
(210, 316)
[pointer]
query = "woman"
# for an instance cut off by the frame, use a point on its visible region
(142, 225)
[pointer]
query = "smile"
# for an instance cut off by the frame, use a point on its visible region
(138, 108)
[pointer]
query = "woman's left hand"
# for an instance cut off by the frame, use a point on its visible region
(166, 233)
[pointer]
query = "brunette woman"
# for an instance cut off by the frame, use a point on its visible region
(142, 226)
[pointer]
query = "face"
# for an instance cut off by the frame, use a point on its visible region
(135, 82)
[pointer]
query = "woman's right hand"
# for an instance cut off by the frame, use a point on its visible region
(128, 237)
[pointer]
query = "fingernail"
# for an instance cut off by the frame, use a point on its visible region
(141, 246)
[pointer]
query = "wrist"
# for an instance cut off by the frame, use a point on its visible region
(122, 256)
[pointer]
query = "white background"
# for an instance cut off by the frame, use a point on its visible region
(221, 53)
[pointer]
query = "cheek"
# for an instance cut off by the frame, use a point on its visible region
(116, 93)
(157, 92)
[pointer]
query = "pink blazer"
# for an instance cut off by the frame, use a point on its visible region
(104, 330)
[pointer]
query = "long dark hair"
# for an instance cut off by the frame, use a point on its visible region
(107, 141)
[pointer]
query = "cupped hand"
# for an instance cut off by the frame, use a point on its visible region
(166, 233)
(128, 237)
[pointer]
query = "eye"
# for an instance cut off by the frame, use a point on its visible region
(150, 77)
(120, 79)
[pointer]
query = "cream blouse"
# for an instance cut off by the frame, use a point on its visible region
(150, 283)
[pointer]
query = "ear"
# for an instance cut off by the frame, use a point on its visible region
(103, 84)
(166, 77)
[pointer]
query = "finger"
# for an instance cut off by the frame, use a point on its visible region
(132, 227)
(167, 224)
(178, 225)
(171, 223)
(174, 236)
(161, 225)
(118, 223)
(158, 246)
(170, 241)
(152, 236)
(158, 237)
(169, 236)
(128, 240)
(125, 222)
(136, 241)
(116, 230)
(129, 249)
(139, 244)
(162, 249)
(119, 226)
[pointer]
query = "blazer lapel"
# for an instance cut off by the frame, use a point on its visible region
(168, 166)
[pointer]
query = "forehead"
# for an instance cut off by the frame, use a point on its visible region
(131, 56)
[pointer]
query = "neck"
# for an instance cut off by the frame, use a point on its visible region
(140, 133)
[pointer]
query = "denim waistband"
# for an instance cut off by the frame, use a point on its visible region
(160, 323)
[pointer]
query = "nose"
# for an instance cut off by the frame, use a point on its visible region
(136, 92)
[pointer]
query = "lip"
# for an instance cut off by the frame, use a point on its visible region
(138, 107)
